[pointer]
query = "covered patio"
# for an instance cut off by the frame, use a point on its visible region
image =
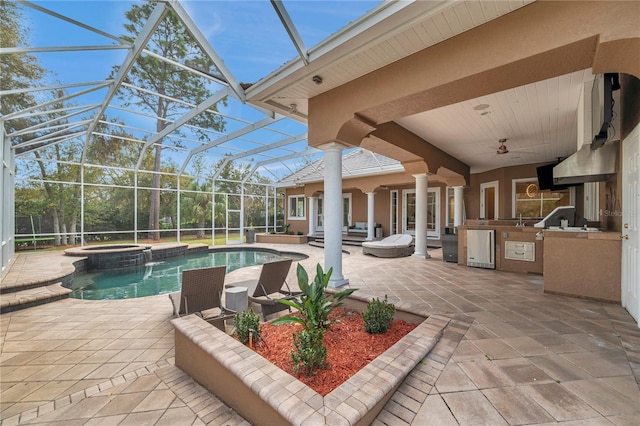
(432, 85)
(509, 355)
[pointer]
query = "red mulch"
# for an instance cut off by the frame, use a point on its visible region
(349, 348)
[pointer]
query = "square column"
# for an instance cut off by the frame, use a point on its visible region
(370, 223)
(333, 213)
(421, 216)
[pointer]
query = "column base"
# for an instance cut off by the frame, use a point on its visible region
(338, 283)
(421, 255)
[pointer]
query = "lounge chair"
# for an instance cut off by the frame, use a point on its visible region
(269, 287)
(397, 245)
(201, 294)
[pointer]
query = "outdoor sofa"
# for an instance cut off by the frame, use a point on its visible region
(397, 245)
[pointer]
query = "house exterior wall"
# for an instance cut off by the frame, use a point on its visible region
(505, 177)
(359, 203)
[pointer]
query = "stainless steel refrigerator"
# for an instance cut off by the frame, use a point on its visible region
(481, 248)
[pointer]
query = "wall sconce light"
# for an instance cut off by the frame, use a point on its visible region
(317, 79)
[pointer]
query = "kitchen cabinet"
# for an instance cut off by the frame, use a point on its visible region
(583, 264)
(520, 250)
(506, 231)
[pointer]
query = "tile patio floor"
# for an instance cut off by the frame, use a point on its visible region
(511, 354)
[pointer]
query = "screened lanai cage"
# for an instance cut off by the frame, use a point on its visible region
(121, 121)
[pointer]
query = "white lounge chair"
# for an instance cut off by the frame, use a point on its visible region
(397, 245)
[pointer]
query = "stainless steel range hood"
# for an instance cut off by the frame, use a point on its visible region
(588, 165)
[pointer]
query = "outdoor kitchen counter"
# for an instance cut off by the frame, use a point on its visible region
(583, 264)
(504, 233)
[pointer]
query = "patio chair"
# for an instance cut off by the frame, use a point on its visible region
(270, 286)
(397, 245)
(201, 294)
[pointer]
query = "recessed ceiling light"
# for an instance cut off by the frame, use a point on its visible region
(485, 113)
(481, 107)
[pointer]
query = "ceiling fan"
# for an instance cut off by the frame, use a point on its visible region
(502, 149)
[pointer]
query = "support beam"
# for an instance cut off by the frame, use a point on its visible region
(142, 40)
(234, 85)
(291, 30)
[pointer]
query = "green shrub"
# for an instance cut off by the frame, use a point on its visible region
(314, 307)
(245, 323)
(310, 352)
(378, 316)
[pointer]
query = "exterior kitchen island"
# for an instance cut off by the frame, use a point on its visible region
(573, 263)
(583, 264)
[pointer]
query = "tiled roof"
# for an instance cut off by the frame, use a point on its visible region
(359, 162)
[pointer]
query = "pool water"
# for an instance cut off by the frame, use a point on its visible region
(160, 277)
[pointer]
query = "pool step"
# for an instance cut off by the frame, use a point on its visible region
(347, 240)
(17, 300)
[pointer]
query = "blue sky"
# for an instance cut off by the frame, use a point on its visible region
(247, 34)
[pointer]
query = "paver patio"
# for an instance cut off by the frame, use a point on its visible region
(510, 355)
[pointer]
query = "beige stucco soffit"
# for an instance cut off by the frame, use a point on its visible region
(434, 157)
(625, 54)
(415, 167)
(314, 189)
(382, 147)
(355, 130)
(350, 133)
(450, 178)
(377, 183)
(542, 40)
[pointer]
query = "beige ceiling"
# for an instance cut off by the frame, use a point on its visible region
(538, 120)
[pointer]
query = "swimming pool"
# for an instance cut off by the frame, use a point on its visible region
(163, 277)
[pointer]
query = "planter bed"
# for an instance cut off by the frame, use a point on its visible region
(264, 394)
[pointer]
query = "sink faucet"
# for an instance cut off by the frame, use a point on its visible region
(520, 224)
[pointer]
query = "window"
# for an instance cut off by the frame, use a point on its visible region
(433, 212)
(296, 207)
(394, 207)
(450, 206)
(531, 202)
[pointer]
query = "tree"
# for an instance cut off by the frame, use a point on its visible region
(196, 202)
(171, 40)
(229, 182)
(17, 71)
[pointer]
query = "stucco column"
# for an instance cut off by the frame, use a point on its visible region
(370, 223)
(333, 212)
(421, 216)
(457, 206)
(312, 215)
